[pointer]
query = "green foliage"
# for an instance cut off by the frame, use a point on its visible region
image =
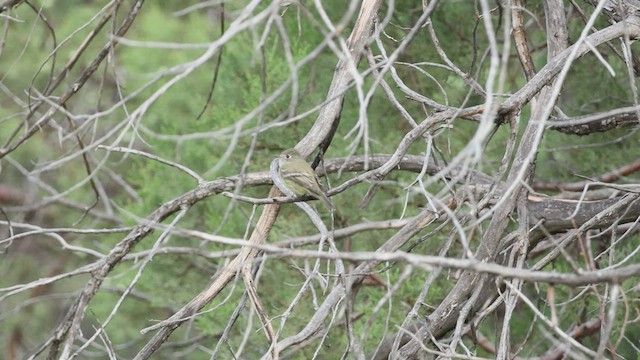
(164, 130)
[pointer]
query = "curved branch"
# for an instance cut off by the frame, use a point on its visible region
(327, 120)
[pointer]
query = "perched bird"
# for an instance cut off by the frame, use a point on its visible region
(299, 177)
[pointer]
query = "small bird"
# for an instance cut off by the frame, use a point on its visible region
(299, 177)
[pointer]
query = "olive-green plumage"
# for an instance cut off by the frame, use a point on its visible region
(299, 177)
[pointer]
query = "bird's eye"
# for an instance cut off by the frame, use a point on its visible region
(288, 156)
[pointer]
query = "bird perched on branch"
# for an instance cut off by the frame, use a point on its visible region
(299, 177)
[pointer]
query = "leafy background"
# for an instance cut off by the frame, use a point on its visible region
(136, 186)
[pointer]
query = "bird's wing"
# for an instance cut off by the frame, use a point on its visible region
(309, 183)
(311, 186)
